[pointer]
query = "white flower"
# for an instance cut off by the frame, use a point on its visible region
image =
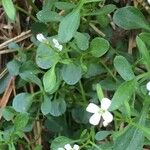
(40, 37)
(148, 87)
(57, 45)
(100, 112)
(68, 147)
(148, 1)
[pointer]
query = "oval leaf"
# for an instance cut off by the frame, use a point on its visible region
(48, 16)
(123, 68)
(99, 47)
(21, 121)
(46, 105)
(49, 80)
(46, 57)
(68, 26)
(58, 107)
(82, 40)
(130, 17)
(123, 93)
(144, 51)
(22, 102)
(101, 135)
(9, 9)
(71, 73)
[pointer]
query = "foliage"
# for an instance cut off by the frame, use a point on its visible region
(96, 61)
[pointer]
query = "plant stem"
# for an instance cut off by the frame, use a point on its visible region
(25, 12)
(33, 5)
(82, 91)
(95, 145)
(109, 71)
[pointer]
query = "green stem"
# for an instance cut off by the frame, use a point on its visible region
(109, 71)
(37, 93)
(142, 76)
(33, 5)
(82, 91)
(81, 3)
(95, 145)
(25, 12)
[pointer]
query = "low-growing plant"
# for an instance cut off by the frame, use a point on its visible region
(84, 84)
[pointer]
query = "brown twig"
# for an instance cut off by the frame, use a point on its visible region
(21, 37)
(7, 94)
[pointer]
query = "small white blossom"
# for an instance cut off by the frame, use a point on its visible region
(100, 112)
(148, 87)
(68, 147)
(40, 37)
(57, 45)
(148, 1)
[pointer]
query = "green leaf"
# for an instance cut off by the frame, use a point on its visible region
(107, 9)
(132, 137)
(94, 69)
(82, 40)
(46, 57)
(38, 27)
(146, 130)
(58, 107)
(145, 37)
(99, 47)
(64, 5)
(13, 67)
(60, 142)
(22, 102)
(31, 77)
(123, 68)
(46, 105)
(38, 147)
(91, 1)
(129, 18)
(101, 135)
(58, 81)
(54, 124)
(8, 113)
(9, 9)
(4, 82)
(21, 121)
(48, 16)
(11, 146)
(99, 92)
(71, 73)
(68, 26)
(80, 115)
(144, 52)
(123, 93)
(49, 80)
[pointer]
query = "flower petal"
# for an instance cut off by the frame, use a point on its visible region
(60, 149)
(92, 108)
(76, 147)
(107, 116)
(68, 147)
(105, 123)
(148, 86)
(105, 103)
(60, 47)
(40, 37)
(55, 41)
(95, 119)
